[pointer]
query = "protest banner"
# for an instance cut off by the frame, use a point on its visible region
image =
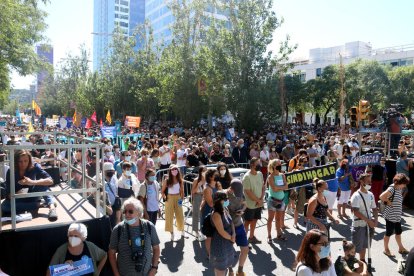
(108, 131)
(131, 121)
(81, 267)
(366, 159)
(306, 176)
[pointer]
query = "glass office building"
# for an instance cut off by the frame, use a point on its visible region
(109, 14)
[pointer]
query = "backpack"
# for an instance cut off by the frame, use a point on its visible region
(208, 228)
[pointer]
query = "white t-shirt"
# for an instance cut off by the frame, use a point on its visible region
(264, 155)
(303, 270)
(338, 148)
(166, 158)
(354, 145)
(357, 202)
(180, 154)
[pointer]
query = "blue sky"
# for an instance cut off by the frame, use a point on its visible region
(310, 24)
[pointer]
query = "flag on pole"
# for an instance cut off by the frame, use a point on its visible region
(31, 129)
(77, 119)
(88, 123)
(101, 123)
(108, 117)
(93, 117)
(36, 108)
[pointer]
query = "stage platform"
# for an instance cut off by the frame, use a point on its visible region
(70, 208)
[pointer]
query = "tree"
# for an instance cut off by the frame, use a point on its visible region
(401, 87)
(22, 26)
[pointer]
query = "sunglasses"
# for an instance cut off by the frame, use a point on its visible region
(130, 211)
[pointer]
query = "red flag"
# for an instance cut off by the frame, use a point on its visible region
(88, 123)
(93, 117)
(100, 123)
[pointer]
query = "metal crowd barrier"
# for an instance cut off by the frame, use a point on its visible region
(84, 145)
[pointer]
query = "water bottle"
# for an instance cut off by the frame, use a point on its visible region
(180, 202)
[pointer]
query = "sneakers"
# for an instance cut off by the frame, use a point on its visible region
(200, 237)
(254, 240)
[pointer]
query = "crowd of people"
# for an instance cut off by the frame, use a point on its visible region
(225, 210)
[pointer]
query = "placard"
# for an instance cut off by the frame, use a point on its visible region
(131, 121)
(81, 267)
(306, 176)
(366, 159)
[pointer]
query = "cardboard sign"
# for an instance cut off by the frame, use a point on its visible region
(81, 267)
(108, 131)
(366, 159)
(131, 121)
(306, 176)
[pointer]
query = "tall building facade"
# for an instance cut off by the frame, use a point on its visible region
(45, 52)
(109, 14)
(161, 18)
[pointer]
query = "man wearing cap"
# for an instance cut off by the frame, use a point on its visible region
(111, 189)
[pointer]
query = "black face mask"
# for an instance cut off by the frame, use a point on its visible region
(279, 168)
(110, 174)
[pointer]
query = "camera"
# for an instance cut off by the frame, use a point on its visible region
(138, 258)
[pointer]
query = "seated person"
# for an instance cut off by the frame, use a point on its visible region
(348, 264)
(29, 178)
(77, 247)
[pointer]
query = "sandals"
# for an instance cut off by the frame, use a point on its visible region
(403, 252)
(389, 254)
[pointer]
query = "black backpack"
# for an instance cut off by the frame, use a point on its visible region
(208, 228)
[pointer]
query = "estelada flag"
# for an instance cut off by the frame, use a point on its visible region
(93, 117)
(108, 117)
(36, 108)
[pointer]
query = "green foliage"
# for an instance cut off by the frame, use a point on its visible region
(22, 25)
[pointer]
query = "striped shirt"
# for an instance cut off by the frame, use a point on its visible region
(393, 212)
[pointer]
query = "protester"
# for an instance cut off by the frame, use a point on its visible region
(317, 213)
(236, 208)
(362, 203)
(343, 175)
(197, 197)
(173, 193)
(254, 189)
(77, 248)
(111, 189)
(239, 153)
(125, 157)
(29, 178)
(313, 257)
(348, 264)
(222, 252)
(140, 257)
(275, 203)
(379, 178)
(404, 164)
(393, 198)
(149, 194)
(225, 175)
(144, 164)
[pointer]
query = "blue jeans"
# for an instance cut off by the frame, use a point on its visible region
(27, 204)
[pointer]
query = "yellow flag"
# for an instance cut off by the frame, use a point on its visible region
(108, 117)
(36, 108)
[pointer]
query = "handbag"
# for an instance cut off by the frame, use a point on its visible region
(125, 193)
(117, 203)
(381, 204)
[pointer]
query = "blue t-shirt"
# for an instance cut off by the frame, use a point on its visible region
(34, 173)
(344, 185)
(332, 185)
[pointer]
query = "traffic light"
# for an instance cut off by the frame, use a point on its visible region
(364, 109)
(354, 116)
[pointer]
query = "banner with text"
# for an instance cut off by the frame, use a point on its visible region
(366, 159)
(131, 121)
(306, 176)
(108, 131)
(81, 267)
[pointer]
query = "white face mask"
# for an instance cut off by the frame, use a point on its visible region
(368, 187)
(74, 241)
(128, 158)
(222, 172)
(128, 173)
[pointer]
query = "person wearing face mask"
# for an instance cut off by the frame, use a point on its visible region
(313, 258)
(125, 157)
(173, 192)
(288, 152)
(317, 213)
(239, 153)
(348, 265)
(197, 197)
(143, 164)
(111, 189)
(117, 152)
(148, 195)
(182, 157)
(273, 153)
(216, 155)
(362, 203)
(225, 175)
(379, 178)
(222, 254)
(393, 198)
(108, 156)
(78, 248)
(354, 146)
(343, 175)
(128, 184)
(254, 189)
(134, 244)
(155, 156)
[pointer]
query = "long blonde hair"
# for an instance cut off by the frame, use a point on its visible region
(271, 165)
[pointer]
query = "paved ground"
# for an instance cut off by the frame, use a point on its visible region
(188, 257)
